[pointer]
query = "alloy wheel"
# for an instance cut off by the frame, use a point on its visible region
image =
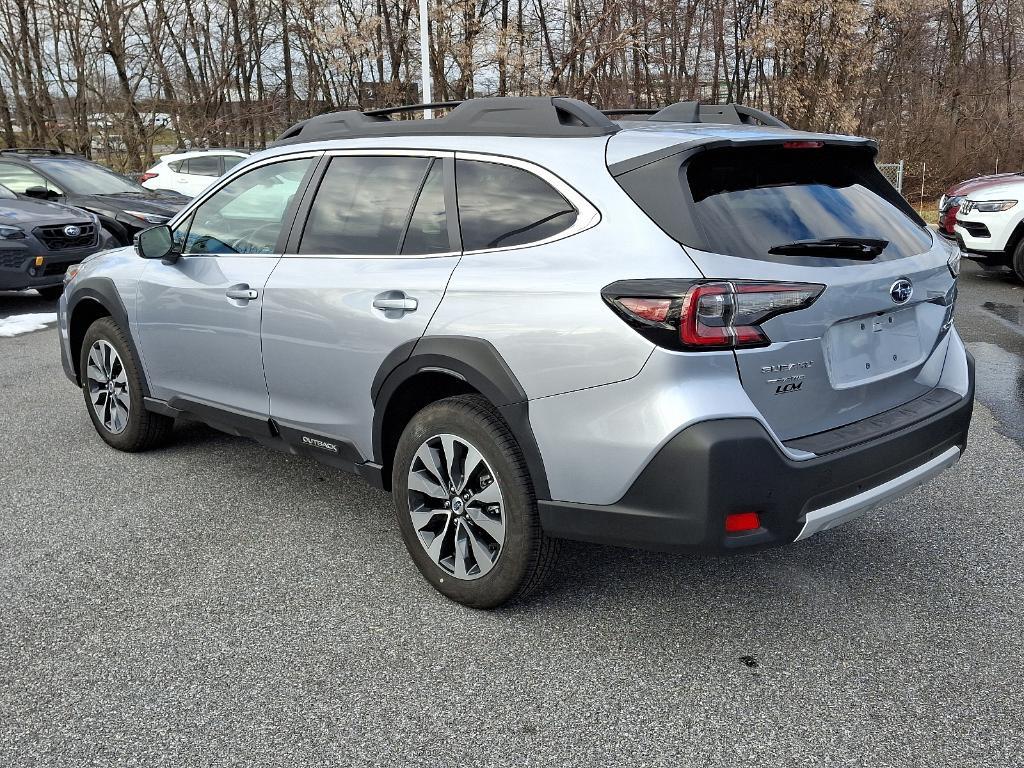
(108, 387)
(456, 506)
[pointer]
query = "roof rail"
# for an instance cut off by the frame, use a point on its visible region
(35, 151)
(695, 112)
(539, 116)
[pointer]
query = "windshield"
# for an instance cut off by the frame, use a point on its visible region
(6, 194)
(81, 177)
(754, 201)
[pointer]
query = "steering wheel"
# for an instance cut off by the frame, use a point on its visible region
(245, 244)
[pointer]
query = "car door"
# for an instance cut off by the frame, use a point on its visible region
(361, 277)
(199, 317)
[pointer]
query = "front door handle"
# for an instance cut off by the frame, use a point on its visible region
(396, 302)
(242, 294)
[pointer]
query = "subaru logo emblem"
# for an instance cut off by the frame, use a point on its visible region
(72, 231)
(901, 291)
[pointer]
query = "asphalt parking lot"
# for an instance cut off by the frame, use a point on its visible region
(215, 603)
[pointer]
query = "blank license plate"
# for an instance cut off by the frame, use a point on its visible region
(869, 347)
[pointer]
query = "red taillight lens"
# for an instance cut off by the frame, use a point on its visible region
(651, 310)
(147, 177)
(742, 521)
(803, 144)
(950, 220)
(729, 314)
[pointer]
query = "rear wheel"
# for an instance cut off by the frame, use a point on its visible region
(112, 388)
(466, 506)
(1018, 260)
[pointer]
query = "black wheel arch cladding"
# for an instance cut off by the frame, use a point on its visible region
(103, 292)
(473, 361)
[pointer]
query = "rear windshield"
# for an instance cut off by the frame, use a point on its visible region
(750, 200)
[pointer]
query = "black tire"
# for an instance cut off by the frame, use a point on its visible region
(1017, 262)
(51, 293)
(527, 554)
(143, 430)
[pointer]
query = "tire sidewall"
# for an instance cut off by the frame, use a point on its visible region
(108, 330)
(504, 580)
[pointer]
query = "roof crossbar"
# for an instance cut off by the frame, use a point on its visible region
(536, 116)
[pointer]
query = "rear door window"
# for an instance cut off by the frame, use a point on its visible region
(502, 206)
(207, 165)
(363, 206)
(748, 201)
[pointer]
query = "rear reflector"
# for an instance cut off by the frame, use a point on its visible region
(652, 310)
(742, 521)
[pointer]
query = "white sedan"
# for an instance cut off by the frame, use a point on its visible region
(191, 172)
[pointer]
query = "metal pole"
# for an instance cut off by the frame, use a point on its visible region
(425, 58)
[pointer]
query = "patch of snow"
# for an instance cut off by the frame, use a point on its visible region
(33, 321)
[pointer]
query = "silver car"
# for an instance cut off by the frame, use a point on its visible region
(699, 331)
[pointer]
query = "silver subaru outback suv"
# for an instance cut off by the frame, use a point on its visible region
(693, 330)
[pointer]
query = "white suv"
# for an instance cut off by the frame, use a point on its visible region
(189, 173)
(990, 223)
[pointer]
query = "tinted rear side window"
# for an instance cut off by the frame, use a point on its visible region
(208, 165)
(502, 206)
(428, 227)
(363, 205)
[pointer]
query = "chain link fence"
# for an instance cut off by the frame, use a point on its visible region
(894, 173)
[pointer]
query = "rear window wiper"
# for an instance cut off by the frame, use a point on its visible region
(865, 248)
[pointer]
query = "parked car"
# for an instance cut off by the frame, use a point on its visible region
(189, 173)
(530, 323)
(124, 207)
(949, 203)
(39, 240)
(990, 223)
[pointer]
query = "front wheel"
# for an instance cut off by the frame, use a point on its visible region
(466, 506)
(1018, 260)
(113, 393)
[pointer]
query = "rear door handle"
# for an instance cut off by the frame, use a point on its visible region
(242, 294)
(395, 301)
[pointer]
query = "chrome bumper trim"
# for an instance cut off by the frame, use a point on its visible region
(842, 511)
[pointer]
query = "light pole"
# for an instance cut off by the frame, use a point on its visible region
(425, 58)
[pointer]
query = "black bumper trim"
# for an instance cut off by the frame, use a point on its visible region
(709, 470)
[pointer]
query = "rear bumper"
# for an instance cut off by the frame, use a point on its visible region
(715, 468)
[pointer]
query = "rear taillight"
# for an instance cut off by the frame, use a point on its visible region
(706, 315)
(950, 220)
(147, 176)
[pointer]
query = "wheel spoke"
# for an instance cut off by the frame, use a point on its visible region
(424, 482)
(462, 550)
(449, 459)
(489, 495)
(423, 516)
(471, 461)
(429, 459)
(482, 555)
(492, 527)
(437, 543)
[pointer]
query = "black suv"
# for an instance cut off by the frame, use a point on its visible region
(40, 239)
(123, 206)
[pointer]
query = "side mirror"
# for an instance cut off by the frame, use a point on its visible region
(41, 193)
(157, 243)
